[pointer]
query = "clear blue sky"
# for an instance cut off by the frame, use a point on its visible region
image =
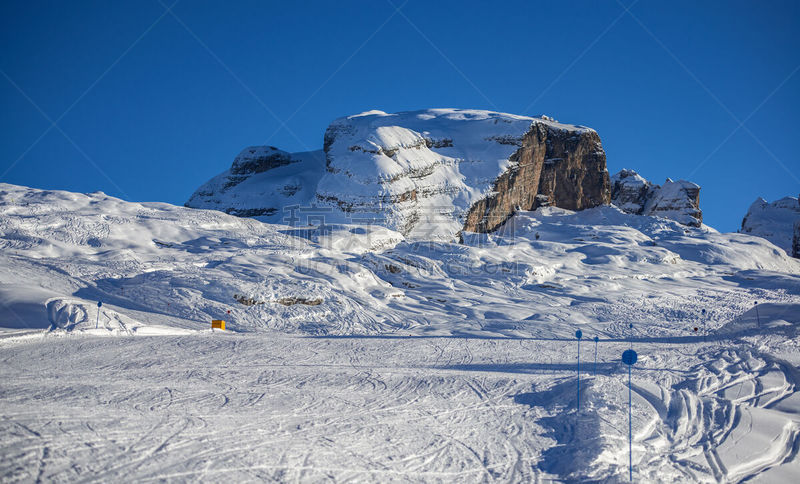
(150, 103)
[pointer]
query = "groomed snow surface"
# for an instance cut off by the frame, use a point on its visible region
(354, 355)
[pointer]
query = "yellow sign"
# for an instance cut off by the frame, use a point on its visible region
(218, 324)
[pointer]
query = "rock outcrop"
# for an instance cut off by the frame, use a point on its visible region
(676, 200)
(261, 182)
(431, 174)
(630, 191)
(796, 240)
(776, 222)
(553, 167)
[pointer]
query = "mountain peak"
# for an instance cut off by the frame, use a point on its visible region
(433, 173)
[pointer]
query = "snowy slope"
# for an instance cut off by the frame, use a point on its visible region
(355, 354)
(170, 264)
(774, 221)
(191, 263)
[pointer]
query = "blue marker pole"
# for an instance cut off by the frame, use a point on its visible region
(758, 318)
(629, 357)
(596, 339)
(97, 323)
(579, 335)
(704, 326)
(630, 334)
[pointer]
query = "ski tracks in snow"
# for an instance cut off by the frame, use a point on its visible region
(221, 407)
(735, 417)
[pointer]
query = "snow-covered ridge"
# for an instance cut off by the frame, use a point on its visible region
(777, 222)
(158, 264)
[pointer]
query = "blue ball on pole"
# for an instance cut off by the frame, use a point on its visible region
(629, 357)
(97, 322)
(758, 317)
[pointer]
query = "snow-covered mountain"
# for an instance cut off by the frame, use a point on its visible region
(778, 222)
(364, 343)
(433, 173)
(679, 201)
(427, 174)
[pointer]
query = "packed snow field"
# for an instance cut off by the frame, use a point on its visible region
(353, 354)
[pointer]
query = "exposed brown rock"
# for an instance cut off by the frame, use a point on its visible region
(557, 167)
(247, 301)
(250, 212)
(258, 159)
(289, 301)
(630, 191)
(286, 301)
(392, 268)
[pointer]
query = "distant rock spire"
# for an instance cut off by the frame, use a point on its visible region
(776, 221)
(676, 200)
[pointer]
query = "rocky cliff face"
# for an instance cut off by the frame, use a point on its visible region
(776, 221)
(552, 167)
(796, 240)
(679, 201)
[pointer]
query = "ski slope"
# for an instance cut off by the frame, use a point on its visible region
(354, 355)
